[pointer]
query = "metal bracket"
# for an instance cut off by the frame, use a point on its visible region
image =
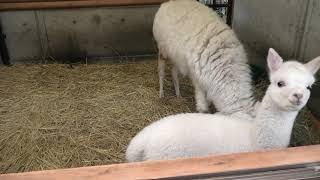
(4, 49)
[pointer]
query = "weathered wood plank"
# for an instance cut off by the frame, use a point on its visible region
(182, 167)
(5, 5)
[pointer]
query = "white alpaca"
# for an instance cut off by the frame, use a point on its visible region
(189, 135)
(199, 44)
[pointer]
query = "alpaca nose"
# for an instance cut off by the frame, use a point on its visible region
(298, 95)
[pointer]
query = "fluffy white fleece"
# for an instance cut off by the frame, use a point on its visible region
(199, 44)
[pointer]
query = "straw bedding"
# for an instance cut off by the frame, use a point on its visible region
(57, 116)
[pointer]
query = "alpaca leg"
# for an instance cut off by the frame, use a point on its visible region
(161, 72)
(175, 79)
(202, 104)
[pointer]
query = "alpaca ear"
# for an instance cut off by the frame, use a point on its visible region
(313, 65)
(274, 60)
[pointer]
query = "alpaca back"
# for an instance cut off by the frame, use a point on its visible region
(190, 135)
(202, 46)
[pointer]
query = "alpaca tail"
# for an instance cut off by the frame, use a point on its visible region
(135, 150)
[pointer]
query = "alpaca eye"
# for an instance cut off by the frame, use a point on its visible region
(309, 88)
(281, 84)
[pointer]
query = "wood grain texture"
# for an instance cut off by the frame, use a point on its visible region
(181, 167)
(6, 5)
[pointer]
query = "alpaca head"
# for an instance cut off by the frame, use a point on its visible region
(291, 81)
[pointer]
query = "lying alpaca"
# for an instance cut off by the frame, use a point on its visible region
(192, 134)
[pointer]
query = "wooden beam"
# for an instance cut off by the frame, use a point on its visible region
(6, 5)
(181, 167)
(22, 1)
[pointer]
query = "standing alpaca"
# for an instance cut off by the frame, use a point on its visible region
(199, 44)
(188, 135)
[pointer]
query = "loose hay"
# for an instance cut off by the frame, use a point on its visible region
(54, 116)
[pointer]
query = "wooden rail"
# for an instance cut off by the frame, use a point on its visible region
(182, 167)
(6, 5)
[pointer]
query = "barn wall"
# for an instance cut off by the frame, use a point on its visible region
(311, 48)
(290, 26)
(65, 34)
(21, 33)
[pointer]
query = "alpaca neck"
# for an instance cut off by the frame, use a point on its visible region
(246, 105)
(230, 104)
(229, 83)
(273, 125)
